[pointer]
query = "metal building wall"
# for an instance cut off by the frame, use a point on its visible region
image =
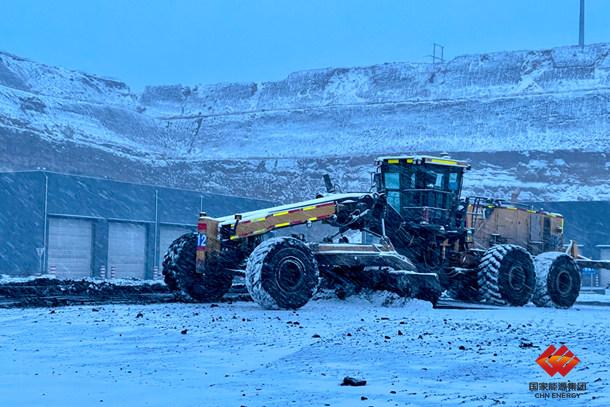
(22, 226)
(25, 198)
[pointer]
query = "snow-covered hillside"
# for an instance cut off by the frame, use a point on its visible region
(538, 121)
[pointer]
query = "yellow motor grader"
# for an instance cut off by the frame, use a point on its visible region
(422, 238)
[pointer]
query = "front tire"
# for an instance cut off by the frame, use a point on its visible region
(506, 275)
(181, 276)
(282, 273)
(557, 280)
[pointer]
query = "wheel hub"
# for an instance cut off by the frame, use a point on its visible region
(290, 273)
(516, 278)
(564, 282)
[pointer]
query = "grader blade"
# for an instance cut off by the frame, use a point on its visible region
(378, 267)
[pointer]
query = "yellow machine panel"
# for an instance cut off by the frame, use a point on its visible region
(297, 216)
(538, 231)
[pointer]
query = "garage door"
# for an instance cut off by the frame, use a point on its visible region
(127, 250)
(167, 234)
(70, 244)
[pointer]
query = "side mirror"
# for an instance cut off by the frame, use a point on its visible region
(377, 182)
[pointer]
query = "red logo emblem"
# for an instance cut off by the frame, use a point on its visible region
(554, 360)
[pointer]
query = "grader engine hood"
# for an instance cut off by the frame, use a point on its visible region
(496, 223)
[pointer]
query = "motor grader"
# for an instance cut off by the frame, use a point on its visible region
(421, 238)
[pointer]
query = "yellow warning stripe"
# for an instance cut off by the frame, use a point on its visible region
(281, 225)
(447, 162)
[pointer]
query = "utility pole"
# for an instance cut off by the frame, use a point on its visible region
(581, 25)
(435, 57)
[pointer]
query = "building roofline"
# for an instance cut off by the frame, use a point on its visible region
(131, 183)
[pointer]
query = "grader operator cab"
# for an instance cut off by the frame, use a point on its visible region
(424, 238)
(422, 189)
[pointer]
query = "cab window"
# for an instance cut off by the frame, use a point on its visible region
(392, 180)
(394, 200)
(453, 182)
(439, 181)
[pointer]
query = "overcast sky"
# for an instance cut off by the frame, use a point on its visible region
(206, 41)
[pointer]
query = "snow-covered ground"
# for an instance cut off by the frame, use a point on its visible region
(238, 354)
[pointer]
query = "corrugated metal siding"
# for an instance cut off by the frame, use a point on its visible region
(127, 250)
(70, 245)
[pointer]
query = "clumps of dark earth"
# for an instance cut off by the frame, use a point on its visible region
(352, 381)
(50, 292)
(526, 344)
(53, 292)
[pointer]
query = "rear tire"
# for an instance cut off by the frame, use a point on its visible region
(282, 273)
(557, 280)
(506, 275)
(180, 274)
